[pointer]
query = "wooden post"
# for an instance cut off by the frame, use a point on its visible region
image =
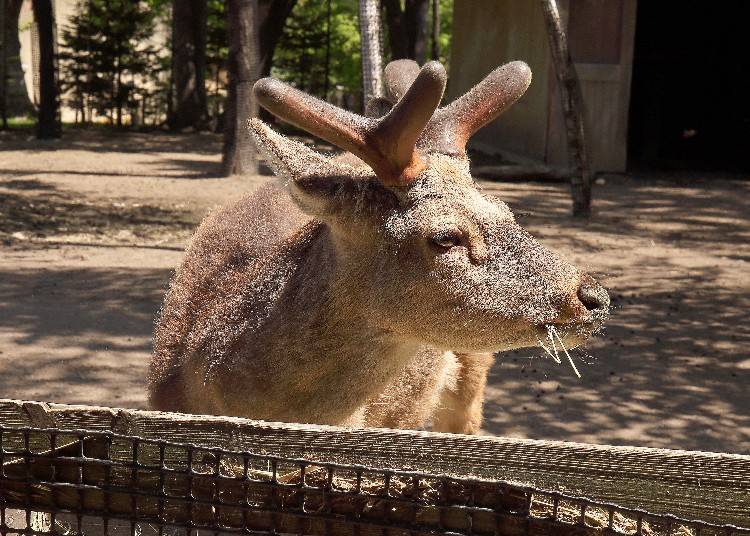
(572, 105)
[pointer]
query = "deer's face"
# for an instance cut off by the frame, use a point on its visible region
(434, 259)
(462, 274)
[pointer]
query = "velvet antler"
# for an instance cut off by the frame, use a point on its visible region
(452, 126)
(387, 144)
(399, 75)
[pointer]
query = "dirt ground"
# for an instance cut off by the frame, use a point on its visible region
(91, 228)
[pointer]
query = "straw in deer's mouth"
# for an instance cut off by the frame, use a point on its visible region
(552, 334)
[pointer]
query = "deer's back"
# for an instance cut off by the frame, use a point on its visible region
(232, 269)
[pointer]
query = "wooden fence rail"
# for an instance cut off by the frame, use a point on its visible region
(706, 486)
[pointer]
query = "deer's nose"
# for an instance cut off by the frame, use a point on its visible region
(592, 295)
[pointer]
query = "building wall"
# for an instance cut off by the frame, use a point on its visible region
(489, 32)
(601, 35)
(486, 34)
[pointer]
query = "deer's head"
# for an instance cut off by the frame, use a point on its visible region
(434, 258)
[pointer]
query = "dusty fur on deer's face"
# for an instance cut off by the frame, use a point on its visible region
(345, 297)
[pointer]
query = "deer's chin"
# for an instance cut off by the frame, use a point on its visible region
(573, 334)
(526, 337)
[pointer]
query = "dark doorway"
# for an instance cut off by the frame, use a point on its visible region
(690, 104)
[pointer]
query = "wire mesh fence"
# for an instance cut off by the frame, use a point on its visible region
(61, 482)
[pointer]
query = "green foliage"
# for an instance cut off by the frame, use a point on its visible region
(302, 56)
(217, 53)
(107, 56)
(23, 122)
(446, 31)
(116, 54)
(345, 47)
(75, 65)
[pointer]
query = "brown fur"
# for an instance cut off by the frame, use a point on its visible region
(312, 354)
(460, 406)
(342, 300)
(229, 253)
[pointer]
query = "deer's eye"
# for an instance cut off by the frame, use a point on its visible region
(447, 239)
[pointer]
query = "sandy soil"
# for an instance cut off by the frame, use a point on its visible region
(91, 228)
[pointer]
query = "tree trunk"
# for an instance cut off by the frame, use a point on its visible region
(170, 87)
(436, 30)
(82, 108)
(408, 28)
(118, 96)
(572, 105)
(417, 20)
(397, 37)
(15, 97)
(239, 154)
(272, 15)
(189, 19)
(47, 126)
(3, 64)
(372, 61)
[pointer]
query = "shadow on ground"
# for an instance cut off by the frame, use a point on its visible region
(671, 369)
(673, 366)
(38, 209)
(688, 213)
(192, 156)
(95, 325)
(103, 140)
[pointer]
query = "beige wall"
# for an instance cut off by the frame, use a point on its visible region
(487, 33)
(605, 85)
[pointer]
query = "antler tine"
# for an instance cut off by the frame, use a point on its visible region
(398, 77)
(454, 124)
(344, 129)
(398, 132)
(387, 144)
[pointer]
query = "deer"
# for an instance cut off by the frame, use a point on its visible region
(370, 288)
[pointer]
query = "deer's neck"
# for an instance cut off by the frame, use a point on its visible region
(322, 352)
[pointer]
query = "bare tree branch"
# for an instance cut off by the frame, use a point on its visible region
(572, 105)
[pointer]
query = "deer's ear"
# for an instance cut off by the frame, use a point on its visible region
(290, 159)
(323, 187)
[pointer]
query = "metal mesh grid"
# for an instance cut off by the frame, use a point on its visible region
(82, 482)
